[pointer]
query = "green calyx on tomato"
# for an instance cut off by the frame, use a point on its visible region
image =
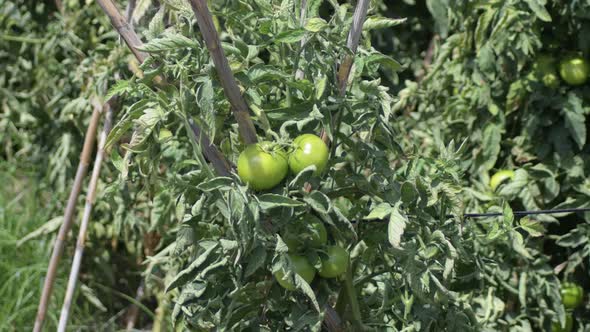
(334, 263)
(500, 177)
(569, 324)
(308, 150)
(300, 266)
(546, 71)
(306, 230)
(262, 165)
(572, 295)
(574, 70)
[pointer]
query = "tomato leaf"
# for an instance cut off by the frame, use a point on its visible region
(217, 183)
(292, 36)
(315, 24)
(396, 227)
(533, 227)
(269, 201)
(380, 211)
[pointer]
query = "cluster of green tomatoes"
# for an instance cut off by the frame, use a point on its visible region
(264, 165)
(309, 232)
(572, 296)
(573, 69)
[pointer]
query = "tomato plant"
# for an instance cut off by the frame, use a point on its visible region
(262, 165)
(308, 149)
(411, 146)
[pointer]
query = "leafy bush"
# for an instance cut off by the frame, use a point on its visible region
(413, 146)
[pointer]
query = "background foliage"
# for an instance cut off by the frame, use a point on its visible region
(442, 95)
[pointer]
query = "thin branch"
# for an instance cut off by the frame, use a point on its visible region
(90, 196)
(226, 78)
(354, 37)
(58, 246)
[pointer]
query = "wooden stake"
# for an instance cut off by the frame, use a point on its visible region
(58, 246)
(354, 37)
(226, 78)
(90, 196)
(123, 28)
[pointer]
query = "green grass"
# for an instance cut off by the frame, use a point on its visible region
(25, 206)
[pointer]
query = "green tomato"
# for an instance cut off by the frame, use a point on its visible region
(165, 135)
(569, 324)
(262, 165)
(574, 70)
(500, 177)
(300, 266)
(572, 295)
(305, 230)
(308, 150)
(545, 70)
(335, 263)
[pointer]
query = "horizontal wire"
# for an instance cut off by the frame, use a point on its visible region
(524, 213)
(499, 214)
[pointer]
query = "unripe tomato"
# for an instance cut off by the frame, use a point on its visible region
(574, 70)
(308, 150)
(262, 165)
(300, 266)
(307, 230)
(569, 324)
(546, 71)
(572, 295)
(500, 177)
(335, 263)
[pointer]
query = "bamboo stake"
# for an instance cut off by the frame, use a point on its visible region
(226, 78)
(299, 74)
(90, 196)
(214, 156)
(332, 320)
(354, 37)
(129, 11)
(58, 246)
(123, 28)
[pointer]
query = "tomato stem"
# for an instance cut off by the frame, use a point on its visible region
(352, 299)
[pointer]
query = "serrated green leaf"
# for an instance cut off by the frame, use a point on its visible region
(380, 211)
(218, 183)
(396, 227)
(269, 201)
(538, 7)
(315, 24)
(292, 36)
(533, 227)
(381, 23)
